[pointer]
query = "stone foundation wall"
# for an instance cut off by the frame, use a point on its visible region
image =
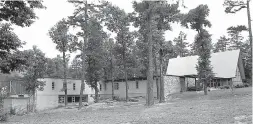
(171, 85)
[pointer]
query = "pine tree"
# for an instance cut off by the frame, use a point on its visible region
(60, 36)
(197, 18)
(221, 45)
(94, 60)
(117, 21)
(180, 45)
(80, 19)
(234, 6)
(235, 37)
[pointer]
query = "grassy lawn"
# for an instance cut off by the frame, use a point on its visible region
(218, 107)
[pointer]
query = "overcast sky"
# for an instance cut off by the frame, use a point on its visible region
(37, 33)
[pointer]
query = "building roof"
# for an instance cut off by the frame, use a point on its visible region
(224, 64)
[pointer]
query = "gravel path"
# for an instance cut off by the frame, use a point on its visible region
(189, 108)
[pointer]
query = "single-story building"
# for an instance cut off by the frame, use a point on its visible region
(137, 87)
(227, 68)
(50, 97)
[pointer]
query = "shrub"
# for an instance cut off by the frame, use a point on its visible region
(191, 89)
(224, 87)
(133, 100)
(239, 86)
(122, 99)
(246, 85)
(60, 106)
(3, 115)
(85, 104)
(12, 111)
(116, 98)
(21, 112)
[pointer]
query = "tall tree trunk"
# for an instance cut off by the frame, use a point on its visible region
(82, 80)
(205, 87)
(76, 70)
(198, 82)
(181, 49)
(125, 74)
(83, 58)
(65, 78)
(96, 92)
(150, 97)
(162, 98)
(34, 101)
(124, 64)
(29, 103)
(112, 80)
(195, 81)
(187, 84)
(250, 34)
(156, 79)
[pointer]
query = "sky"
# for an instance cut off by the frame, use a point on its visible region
(37, 33)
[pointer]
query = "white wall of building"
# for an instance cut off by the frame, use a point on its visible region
(58, 85)
(48, 98)
(106, 91)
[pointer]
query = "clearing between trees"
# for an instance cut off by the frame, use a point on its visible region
(220, 106)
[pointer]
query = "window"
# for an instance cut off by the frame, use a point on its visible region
(137, 84)
(61, 99)
(52, 85)
(72, 98)
(100, 87)
(116, 86)
(105, 86)
(74, 86)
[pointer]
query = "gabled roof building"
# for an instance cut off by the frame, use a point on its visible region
(227, 68)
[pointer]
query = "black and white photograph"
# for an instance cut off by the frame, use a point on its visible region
(126, 61)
